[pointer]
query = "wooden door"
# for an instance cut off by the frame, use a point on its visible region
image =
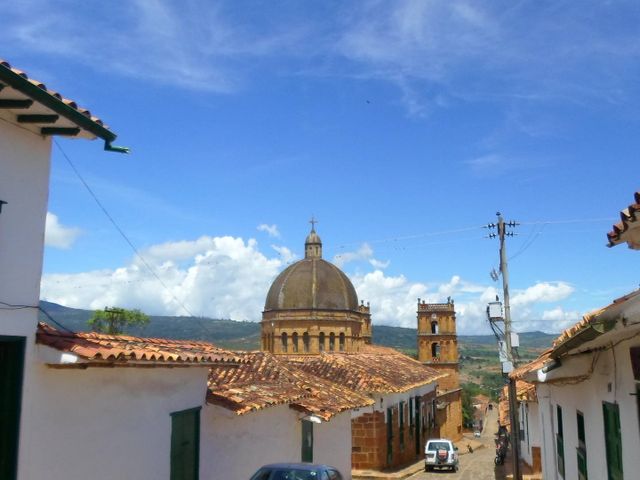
(307, 441)
(11, 371)
(185, 445)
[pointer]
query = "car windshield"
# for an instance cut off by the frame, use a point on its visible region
(433, 446)
(285, 474)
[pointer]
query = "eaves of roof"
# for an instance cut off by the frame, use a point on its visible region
(592, 326)
(101, 350)
(628, 229)
(54, 103)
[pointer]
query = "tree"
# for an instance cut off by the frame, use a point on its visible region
(114, 320)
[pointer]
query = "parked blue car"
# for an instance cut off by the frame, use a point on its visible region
(297, 471)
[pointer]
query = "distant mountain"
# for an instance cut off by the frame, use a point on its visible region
(246, 335)
(225, 333)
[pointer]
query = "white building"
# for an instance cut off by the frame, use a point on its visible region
(267, 411)
(30, 115)
(108, 407)
(588, 389)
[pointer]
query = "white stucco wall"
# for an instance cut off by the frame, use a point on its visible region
(530, 422)
(612, 381)
(234, 447)
(386, 400)
(105, 423)
(332, 443)
(24, 184)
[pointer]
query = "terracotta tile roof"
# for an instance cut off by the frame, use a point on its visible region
(590, 318)
(525, 392)
(17, 85)
(375, 369)
(563, 342)
(123, 350)
(538, 363)
(628, 229)
(264, 380)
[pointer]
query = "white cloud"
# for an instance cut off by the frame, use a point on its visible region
(393, 301)
(286, 255)
(561, 318)
(58, 235)
(227, 277)
(197, 44)
(271, 230)
(221, 277)
(363, 253)
(379, 264)
(521, 52)
(542, 292)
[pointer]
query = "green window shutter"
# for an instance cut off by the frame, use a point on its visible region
(613, 440)
(582, 448)
(560, 441)
(307, 441)
(417, 423)
(389, 435)
(185, 444)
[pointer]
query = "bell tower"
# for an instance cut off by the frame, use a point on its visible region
(438, 340)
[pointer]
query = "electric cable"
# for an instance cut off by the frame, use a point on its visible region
(120, 231)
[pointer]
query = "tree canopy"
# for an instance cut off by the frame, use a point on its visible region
(113, 320)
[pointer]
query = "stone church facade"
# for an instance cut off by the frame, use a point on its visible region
(313, 321)
(438, 348)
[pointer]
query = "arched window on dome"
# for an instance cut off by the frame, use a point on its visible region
(285, 341)
(294, 342)
(341, 342)
(332, 341)
(435, 350)
(434, 326)
(305, 342)
(321, 342)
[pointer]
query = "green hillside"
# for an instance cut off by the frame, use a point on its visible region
(246, 335)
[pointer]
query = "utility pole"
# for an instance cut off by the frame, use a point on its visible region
(513, 404)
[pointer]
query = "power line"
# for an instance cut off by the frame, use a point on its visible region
(12, 306)
(121, 232)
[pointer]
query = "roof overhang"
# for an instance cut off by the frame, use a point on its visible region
(29, 104)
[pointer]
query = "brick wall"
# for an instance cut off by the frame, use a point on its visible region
(368, 441)
(449, 417)
(369, 437)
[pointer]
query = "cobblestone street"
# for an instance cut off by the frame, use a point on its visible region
(473, 466)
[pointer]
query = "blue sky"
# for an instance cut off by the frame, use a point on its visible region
(402, 126)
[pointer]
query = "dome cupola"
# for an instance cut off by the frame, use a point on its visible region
(312, 307)
(313, 244)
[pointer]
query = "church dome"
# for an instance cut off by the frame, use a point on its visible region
(312, 284)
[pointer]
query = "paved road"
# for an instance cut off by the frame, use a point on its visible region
(473, 466)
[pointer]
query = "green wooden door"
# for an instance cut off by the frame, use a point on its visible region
(613, 440)
(185, 444)
(11, 370)
(307, 441)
